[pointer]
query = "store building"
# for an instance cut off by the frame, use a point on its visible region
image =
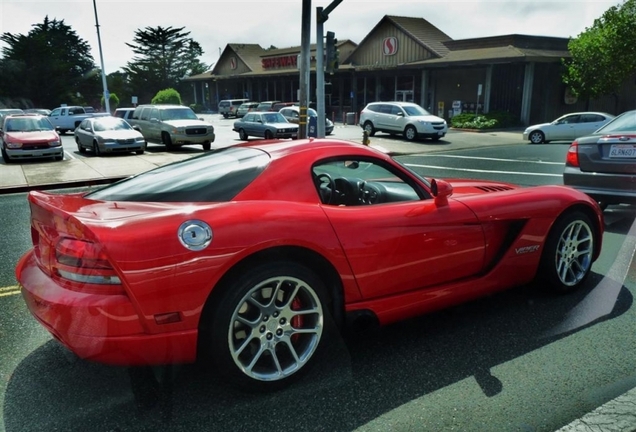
(409, 59)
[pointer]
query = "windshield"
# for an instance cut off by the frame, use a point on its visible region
(177, 114)
(274, 118)
(108, 124)
(27, 124)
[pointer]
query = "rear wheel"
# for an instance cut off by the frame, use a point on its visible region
(536, 137)
(242, 135)
(567, 256)
(79, 146)
(266, 326)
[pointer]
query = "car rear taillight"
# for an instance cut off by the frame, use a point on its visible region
(83, 262)
(572, 157)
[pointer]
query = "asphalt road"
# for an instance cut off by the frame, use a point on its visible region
(521, 360)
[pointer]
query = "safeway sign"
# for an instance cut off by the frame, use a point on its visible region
(390, 46)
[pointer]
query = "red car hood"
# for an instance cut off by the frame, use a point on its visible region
(35, 136)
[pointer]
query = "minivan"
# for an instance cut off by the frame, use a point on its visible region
(228, 107)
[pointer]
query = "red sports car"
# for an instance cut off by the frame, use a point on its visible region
(248, 253)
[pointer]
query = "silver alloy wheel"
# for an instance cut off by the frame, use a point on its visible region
(368, 126)
(536, 137)
(574, 253)
(276, 328)
(410, 133)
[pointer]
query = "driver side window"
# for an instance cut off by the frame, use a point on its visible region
(351, 182)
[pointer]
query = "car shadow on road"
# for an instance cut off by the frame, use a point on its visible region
(362, 376)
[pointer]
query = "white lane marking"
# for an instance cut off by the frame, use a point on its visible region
(489, 159)
(485, 171)
(601, 300)
(10, 290)
(69, 155)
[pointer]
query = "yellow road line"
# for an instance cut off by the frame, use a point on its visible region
(10, 290)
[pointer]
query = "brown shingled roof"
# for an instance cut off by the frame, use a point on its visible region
(423, 32)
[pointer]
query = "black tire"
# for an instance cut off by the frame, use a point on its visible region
(536, 137)
(566, 260)
(269, 135)
(368, 126)
(410, 133)
(96, 149)
(165, 138)
(5, 156)
(207, 146)
(79, 146)
(59, 158)
(225, 116)
(246, 351)
(242, 135)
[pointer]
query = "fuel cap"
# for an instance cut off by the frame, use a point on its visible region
(195, 235)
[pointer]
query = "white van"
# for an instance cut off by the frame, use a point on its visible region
(228, 107)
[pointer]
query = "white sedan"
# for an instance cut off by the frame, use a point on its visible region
(567, 128)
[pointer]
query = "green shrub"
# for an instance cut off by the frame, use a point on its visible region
(197, 108)
(167, 96)
(491, 120)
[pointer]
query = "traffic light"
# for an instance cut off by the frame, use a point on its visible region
(332, 54)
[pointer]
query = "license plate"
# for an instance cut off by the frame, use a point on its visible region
(623, 151)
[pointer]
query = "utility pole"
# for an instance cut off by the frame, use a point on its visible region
(304, 67)
(101, 58)
(322, 15)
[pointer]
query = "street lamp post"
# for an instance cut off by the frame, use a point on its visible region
(101, 59)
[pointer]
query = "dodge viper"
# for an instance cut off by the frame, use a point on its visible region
(245, 256)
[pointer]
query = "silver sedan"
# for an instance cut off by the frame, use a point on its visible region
(268, 125)
(108, 135)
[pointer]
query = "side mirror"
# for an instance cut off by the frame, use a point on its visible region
(137, 128)
(441, 190)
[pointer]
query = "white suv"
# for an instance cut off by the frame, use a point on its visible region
(405, 118)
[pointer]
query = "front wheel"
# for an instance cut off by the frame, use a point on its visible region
(269, 135)
(266, 326)
(536, 137)
(410, 133)
(96, 149)
(79, 146)
(567, 256)
(165, 137)
(207, 146)
(368, 127)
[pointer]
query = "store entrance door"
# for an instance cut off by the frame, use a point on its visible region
(404, 95)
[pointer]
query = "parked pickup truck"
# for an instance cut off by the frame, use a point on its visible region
(67, 118)
(172, 125)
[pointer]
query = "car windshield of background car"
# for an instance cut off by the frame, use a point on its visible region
(274, 118)
(110, 124)
(27, 124)
(217, 176)
(178, 114)
(625, 122)
(415, 110)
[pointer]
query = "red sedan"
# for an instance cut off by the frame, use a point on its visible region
(248, 253)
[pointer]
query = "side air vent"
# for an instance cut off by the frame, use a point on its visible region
(494, 188)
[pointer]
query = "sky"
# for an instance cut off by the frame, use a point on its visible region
(214, 24)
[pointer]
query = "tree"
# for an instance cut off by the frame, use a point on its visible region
(603, 57)
(48, 66)
(163, 57)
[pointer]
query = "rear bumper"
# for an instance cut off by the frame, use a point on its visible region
(602, 187)
(102, 328)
